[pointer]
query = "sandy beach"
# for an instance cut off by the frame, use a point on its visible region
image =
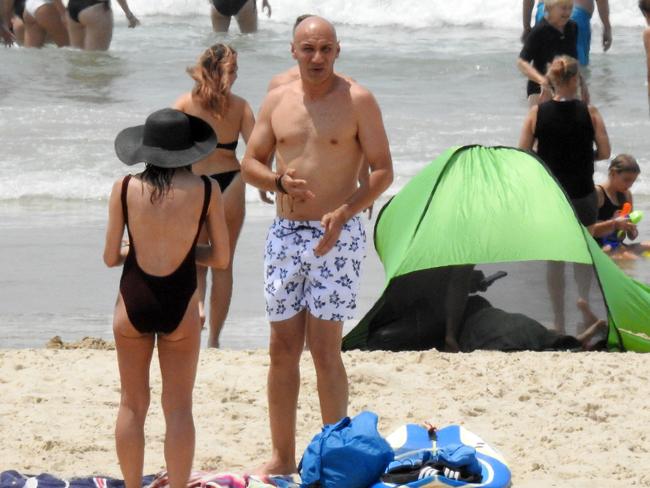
(560, 419)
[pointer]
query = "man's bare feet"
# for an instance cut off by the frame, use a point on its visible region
(275, 467)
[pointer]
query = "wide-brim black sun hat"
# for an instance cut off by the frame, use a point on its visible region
(169, 138)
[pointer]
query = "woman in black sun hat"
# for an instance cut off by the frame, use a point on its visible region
(163, 209)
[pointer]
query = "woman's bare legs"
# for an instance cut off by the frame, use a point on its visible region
(18, 27)
(34, 33)
(247, 17)
(97, 22)
(221, 291)
(178, 354)
(134, 352)
(220, 23)
(583, 274)
(76, 32)
(556, 285)
(47, 22)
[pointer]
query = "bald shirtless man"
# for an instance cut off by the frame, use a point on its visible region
(293, 74)
(582, 12)
(320, 126)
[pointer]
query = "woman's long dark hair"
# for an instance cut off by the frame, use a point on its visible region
(160, 179)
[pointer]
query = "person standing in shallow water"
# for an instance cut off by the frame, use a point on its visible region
(43, 20)
(245, 11)
(163, 209)
(554, 35)
(321, 127)
(566, 130)
(90, 23)
(230, 116)
(581, 14)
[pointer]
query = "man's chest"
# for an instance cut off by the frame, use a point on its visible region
(298, 123)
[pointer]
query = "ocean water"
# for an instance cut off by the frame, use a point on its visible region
(443, 72)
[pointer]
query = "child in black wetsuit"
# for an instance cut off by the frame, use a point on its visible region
(555, 35)
(611, 229)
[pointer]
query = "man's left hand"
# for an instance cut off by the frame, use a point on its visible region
(332, 222)
(607, 38)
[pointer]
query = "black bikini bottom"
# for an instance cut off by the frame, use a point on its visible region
(228, 7)
(19, 8)
(76, 6)
(224, 179)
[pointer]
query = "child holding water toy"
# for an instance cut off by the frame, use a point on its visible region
(615, 222)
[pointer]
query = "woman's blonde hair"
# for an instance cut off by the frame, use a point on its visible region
(211, 86)
(562, 69)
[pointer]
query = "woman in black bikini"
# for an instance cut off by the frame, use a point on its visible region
(90, 23)
(245, 11)
(163, 209)
(229, 115)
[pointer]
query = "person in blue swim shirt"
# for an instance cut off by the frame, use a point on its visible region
(581, 15)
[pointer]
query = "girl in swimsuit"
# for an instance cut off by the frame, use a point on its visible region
(90, 23)
(163, 209)
(612, 195)
(229, 115)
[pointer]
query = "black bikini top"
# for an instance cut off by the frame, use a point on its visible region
(229, 146)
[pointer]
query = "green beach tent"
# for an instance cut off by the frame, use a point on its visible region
(499, 206)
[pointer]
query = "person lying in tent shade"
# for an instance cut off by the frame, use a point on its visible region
(438, 308)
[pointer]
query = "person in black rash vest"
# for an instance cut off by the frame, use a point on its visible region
(245, 11)
(556, 34)
(566, 130)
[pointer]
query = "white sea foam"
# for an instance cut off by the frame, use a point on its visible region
(437, 86)
(418, 14)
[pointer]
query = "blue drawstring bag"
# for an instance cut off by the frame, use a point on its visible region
(349, 453)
